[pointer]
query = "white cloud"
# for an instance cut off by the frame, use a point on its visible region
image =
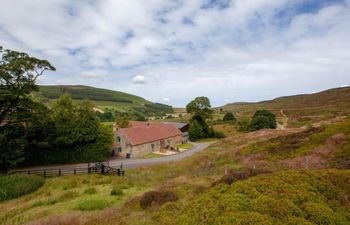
(238, 53)
(139, 79)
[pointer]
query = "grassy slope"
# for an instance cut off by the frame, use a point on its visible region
(288, 197)
(302, 109)
(103, 98)
(191, 179)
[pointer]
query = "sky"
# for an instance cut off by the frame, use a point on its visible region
(171, 51)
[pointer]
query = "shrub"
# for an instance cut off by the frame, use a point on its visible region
(92, 204)
(17, 185)
(157, 198)
(263, 119)
(229, 117)
(233, 177)
(90, 191)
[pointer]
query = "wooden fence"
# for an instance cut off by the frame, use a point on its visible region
(95, 168)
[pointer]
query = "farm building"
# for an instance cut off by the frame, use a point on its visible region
(142, 138)
(183, 127)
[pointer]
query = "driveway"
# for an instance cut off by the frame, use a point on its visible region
(130, 163)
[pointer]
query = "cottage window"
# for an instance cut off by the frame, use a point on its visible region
(118, 139)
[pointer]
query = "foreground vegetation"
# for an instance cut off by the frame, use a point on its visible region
(197, 191)
(17, 185)
(288, 197)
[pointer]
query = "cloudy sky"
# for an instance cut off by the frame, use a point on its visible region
(172, 51)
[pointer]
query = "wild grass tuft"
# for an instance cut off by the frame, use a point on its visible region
(92, 204)
(14, 186)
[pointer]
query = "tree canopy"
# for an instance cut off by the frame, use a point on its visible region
(18, 74)
(200, 106)
(263, 119)
(200, 109)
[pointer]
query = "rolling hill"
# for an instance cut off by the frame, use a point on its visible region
(301, 108)
(104, 99)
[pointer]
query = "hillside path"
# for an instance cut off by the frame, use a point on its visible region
(284, 123)
(129, 163)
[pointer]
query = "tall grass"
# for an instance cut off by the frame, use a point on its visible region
(17, 185)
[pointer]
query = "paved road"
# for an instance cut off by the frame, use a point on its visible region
(130, 163)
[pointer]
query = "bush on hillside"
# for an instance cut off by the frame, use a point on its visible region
(14, 186)
(156, 198)
(233, 176)
(229, 117)
(263, 119)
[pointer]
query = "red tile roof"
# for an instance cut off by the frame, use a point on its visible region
(153, 132)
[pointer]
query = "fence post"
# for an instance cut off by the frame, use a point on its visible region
(123, 173)
(44, 173)
(59, 172)
(118, 171)
(75, 171)
(102, 169)
(28, 172)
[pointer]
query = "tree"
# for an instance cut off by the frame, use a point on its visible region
(12, 145)
(123, 120)
(200, 109)
(195, 131)
(229, 117)
(18, 73)
(200, 106)
(68, 133)
(263, 119)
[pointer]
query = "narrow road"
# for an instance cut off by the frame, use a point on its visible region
(129, 163)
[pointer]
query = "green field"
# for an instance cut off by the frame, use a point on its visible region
(106, 100)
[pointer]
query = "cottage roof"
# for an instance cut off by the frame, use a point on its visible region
(178, 125)
(153, 132)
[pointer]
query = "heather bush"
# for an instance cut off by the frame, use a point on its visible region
(286, 197)
(157, 198)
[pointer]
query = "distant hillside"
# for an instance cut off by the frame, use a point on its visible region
(325, 104)
(332, 97)
(104, 99)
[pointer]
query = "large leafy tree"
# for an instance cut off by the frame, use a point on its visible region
(200, 109)
(18, 74)
(200, 106)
